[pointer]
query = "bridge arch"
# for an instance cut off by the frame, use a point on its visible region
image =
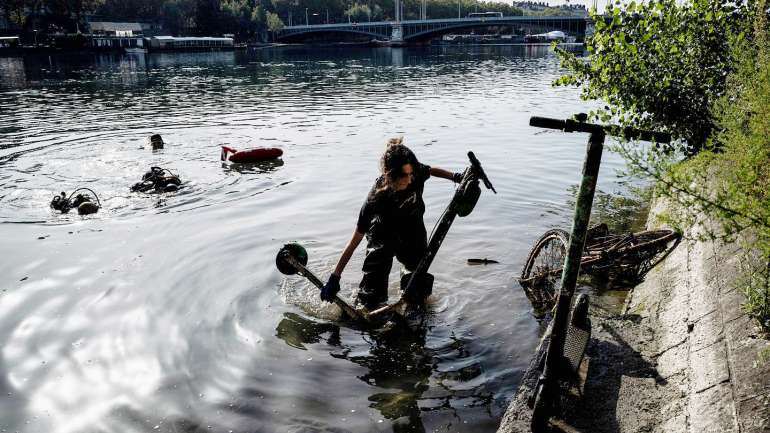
(299, 35)
(415, 34)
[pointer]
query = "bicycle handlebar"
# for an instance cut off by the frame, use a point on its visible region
(571, 125)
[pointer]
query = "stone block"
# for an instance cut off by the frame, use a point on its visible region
(754, 414)
(676, 424)
(706, 331)
(673, 319)
(708, 367)
(730, 303)
(674, 360)
(751, 376)
(740, 332)
(712, 410)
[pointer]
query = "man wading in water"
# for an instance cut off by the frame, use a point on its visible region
(391, 219)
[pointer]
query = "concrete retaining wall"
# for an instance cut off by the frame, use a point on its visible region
(683, 358)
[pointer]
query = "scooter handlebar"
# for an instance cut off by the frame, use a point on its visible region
(572, 125)
(480, 172)
(548, 123)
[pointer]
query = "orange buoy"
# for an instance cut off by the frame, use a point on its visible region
(253, 155)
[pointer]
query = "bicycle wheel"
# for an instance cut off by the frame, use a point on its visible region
(541, 275)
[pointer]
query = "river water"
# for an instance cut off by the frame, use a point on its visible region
(166, 313)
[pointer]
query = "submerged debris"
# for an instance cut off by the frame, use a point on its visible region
(83, 202)
(158, 180)
(484, 261)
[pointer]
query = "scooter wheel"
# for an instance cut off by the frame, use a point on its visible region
(294, 250)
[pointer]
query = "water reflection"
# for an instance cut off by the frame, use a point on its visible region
(397, 359)
(253, 167)
(298, 62)
(182, 306)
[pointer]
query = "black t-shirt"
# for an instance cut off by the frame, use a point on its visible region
(393, 210)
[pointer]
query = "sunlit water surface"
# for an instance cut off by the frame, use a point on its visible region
(166, 313)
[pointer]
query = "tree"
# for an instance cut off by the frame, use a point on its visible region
(75, 9)
(659, 65)
(641, 69)
(208, 17)
(359, 12)
(15, 11)
(178, 16)
(274, 22)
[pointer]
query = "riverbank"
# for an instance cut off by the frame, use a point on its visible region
(682, 357)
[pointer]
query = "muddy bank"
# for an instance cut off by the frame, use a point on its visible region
(682, 357)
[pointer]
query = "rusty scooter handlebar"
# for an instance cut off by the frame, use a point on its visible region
(572, 125)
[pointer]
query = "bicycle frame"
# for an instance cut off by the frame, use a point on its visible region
(605, 256)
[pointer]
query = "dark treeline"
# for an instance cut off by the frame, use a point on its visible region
(545, 5)
(381, 10)
(544, 9)
(247, 19)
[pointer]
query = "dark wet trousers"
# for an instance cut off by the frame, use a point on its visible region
(409, 250)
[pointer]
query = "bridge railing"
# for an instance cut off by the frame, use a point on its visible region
(439, 21)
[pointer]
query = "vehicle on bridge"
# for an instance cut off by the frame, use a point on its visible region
(556, 35)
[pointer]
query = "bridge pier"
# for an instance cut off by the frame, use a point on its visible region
(397, 34)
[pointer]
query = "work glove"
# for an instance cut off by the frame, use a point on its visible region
(331, 288)
(457, 177)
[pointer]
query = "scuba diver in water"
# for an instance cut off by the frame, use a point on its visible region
(391, 220)
(158, 180)
(82, 202)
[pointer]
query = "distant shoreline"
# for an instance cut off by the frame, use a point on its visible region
(27, 50)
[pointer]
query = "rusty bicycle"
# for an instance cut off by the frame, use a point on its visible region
(628, 256)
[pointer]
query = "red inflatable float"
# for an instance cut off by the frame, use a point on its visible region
(253, 155)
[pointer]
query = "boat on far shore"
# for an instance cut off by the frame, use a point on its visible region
(386, 43)
(554, 36)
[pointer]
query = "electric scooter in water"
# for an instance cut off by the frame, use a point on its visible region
(292, 258)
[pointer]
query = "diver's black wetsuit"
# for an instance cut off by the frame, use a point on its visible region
(392, 221)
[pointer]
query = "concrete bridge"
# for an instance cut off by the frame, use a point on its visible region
(422, 30)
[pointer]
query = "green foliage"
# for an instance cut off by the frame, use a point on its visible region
(728, 182)
(247, 19)
(552, 12)
(274, 22)
(381, 10)
(359, 12)
(60, 12)
(659, 65)
(240, 17)
(178, 16)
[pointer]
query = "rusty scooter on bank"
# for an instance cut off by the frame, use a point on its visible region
(563, 347)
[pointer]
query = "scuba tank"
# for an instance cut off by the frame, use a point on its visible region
(158, 180)
(81, 202)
